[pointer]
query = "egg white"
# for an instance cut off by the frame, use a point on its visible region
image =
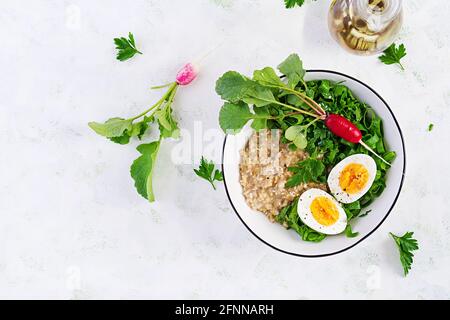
(305, 214)
(333, 177)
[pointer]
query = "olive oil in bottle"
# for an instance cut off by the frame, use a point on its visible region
(365, 26)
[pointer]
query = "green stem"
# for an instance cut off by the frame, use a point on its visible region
(309, 124)
(298, 110)
(304, 84)
(172, 95)
(310, 102)
(161, 101)
(162, 86)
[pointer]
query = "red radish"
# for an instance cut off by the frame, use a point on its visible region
(346, 130)
(340, 126)
(186, 75)
(343, 128)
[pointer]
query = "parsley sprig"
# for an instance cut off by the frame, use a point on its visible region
(126, 47)
(207, 172)
(406, 244)
(393, 55)
(309, 170)
(292, 3)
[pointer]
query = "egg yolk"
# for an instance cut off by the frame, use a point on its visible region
(324, 210)
(353, 178)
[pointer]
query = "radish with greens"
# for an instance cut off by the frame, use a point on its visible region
(120, 130)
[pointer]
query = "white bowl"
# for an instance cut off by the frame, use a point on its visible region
(288, 241)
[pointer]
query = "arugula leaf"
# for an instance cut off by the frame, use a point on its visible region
(406, 244)
(142, 169)
(309, 170)
(349, 233)
(232, 85)
(114, 127)
(292, 3)
(126, 47)
(352, 210)
(292, 68)
(234, 116)
(393, 55)
(430, 127)
(364, 214)
(288, 217)
(309, 234)
(207, 172)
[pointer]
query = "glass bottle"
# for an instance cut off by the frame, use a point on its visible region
(365, 26)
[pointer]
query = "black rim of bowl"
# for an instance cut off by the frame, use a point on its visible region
(382, 220)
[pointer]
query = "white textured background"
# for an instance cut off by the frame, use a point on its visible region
(71, 223)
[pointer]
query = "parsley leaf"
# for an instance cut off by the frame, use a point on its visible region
(406, 244)
(126, 47)
(207, 172)
(293, 3)
(393, 55)
(430, 127)
(309, 170)
(142, 169)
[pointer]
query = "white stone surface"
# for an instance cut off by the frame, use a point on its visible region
(72, 225)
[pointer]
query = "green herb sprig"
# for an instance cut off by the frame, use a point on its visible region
(208, 172)
(393, 55)
(292, 3)
(309, 170)
(406, 244)
(126, 47)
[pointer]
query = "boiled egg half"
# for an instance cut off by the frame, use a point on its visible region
(351, 178)
(321, 212)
